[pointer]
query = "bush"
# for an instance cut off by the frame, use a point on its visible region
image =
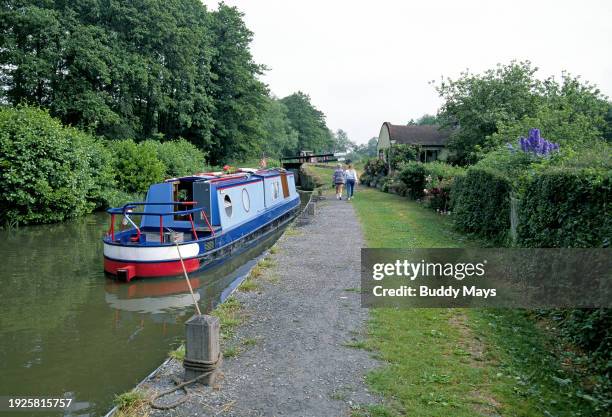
(439, 183)
(481, 203)
(180, 157)
(413, 176)
(565, 207)
(401, 154)
(373, 171)
(137, 166)
(48, 172)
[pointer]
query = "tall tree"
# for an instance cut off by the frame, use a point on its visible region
(309, 122)
(342, 143)
(280, 139)
(239, 96)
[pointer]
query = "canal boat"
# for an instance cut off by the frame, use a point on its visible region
(197, 221)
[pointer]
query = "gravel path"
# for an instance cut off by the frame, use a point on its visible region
(296, 362)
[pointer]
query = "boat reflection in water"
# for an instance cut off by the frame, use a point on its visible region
(167, 300)
(152, 297)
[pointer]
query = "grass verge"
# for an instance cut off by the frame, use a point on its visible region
(131, 404)
(455, 362)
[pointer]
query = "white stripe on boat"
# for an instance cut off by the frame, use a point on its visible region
(143, 253)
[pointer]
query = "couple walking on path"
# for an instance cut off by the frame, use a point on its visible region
(342, 177)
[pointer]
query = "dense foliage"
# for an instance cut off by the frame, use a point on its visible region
(136, 166)
(412, 175)
(373, 172)
(564, 208)
(49, 172)
(481, 203)
(151, 68)
(180, 157)
(402, 153)
(309, 122)
(499, 106)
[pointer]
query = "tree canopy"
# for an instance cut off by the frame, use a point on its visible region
(309, 123)
(151, 68)
(499, 105)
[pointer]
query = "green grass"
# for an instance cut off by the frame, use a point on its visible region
(231, 352)
(178, 353)
(454, 362)
(248, 285)
(229, 314)
(130, 404)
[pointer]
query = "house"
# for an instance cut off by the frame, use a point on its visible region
(431, 139)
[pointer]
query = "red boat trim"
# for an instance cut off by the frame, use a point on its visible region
(151, 269)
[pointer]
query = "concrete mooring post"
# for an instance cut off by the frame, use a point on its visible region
(202, 352)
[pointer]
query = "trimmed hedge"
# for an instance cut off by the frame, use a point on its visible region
(481, 203)
(565, 208)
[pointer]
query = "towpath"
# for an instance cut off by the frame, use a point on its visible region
(294, 357)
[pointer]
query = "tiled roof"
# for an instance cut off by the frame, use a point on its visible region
(418, 134)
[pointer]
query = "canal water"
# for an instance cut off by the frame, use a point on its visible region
(66, 330)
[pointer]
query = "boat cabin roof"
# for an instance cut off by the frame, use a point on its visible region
(222, 177)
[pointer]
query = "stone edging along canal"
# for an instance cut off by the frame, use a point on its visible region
(292, 353)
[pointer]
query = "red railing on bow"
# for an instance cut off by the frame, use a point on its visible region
(128, 209)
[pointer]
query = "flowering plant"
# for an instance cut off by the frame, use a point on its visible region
(536, 144)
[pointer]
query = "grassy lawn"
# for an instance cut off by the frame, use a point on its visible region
(455, 362)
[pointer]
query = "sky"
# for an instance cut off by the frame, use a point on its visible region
(367, 62)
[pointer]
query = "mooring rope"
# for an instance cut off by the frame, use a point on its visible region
(212, 368)
(195, 302)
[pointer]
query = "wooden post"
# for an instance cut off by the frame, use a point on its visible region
(202, 352)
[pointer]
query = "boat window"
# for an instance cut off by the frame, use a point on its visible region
(182, 191)
(227, 203)
(276, 190)
(246, 200)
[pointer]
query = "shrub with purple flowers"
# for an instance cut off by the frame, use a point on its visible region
(536, 144)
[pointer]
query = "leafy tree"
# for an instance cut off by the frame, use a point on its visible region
(477, 103)
(342, 143)
(426, 119)
(238, 95)
(502, 104)
(280, 139)
(309, 122)
(570, 113)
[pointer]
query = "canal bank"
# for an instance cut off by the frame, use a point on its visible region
(292, 355)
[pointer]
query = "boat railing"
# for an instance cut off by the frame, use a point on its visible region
(127, 210)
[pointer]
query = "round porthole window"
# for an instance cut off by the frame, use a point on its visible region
(246, 200)
(227, 203)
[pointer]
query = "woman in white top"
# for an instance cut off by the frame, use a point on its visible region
(351, 178)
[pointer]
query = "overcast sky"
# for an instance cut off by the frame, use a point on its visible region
(366, 62)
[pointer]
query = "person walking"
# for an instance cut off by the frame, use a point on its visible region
(351, 178)
(339, 180)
